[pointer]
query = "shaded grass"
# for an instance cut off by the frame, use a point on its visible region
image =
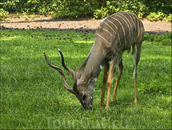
(33, 96)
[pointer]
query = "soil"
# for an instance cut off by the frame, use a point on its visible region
(80, 25)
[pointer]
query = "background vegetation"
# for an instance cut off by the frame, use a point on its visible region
(153, 10)
(33, 96)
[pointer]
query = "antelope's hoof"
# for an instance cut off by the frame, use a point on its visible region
(106, 107)
(135, 101)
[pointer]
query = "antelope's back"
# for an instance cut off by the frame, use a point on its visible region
(123, 27)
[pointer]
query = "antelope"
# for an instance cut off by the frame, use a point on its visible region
(115, 34)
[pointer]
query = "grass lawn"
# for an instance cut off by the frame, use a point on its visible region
(33, 96)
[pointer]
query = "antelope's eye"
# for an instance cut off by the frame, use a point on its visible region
(83, 97)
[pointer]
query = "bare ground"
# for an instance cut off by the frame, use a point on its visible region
(80, 25)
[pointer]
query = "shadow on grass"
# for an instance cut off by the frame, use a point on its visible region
(48, 20)
(78, 30)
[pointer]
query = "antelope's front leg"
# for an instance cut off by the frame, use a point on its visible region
(119, 73)
(110, 79)
(106, 66)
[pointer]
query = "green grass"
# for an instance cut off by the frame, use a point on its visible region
(33, 96)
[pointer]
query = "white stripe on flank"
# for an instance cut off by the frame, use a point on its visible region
(115, 32)
(131, 34)
(106, 31)
(121, 26)
(131, 18)
(138, 27)
(125, 22)
(132, 21)
(103, 38)
(103, 19)
(109, 26)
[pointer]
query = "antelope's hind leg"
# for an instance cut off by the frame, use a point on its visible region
(136, 58)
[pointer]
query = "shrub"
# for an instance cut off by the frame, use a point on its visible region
(148, 37)
(3, 14)
(153, 10)
(154, 87)
(165, 39)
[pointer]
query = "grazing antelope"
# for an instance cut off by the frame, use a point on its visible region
(115, 34)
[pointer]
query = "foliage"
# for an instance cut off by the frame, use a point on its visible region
(25, 16)
(75, 9)
(33, 96)
(57, 8)
(154, 87)
(101, 13)
(148, 37)
(153, 16)
(165, 39)
(3, 14)
(170, 17)
(153, 10)
(115, 6)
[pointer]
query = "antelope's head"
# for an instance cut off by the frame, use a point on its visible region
(82, 88)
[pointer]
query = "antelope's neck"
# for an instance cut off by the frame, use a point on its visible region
(94, 64)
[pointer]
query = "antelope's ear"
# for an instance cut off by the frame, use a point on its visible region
(88, 76)
(79, 72)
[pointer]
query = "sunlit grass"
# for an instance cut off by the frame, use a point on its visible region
(33, 96)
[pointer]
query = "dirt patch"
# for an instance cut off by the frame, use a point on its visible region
(80, 25)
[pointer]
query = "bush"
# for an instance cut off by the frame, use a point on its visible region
(75, 9)
(165, 39)
(148, 37)
(169, 18)
(57, 8)
(3, 14)
(153, 10)
(154, 87)
(115, 6)
(153, 16)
